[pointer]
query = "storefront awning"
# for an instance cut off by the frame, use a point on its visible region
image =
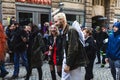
(44, 2)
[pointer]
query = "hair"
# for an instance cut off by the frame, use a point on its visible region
(60, 16)
(46, 23)
(33, 27)
(89, 31)
(56, 29)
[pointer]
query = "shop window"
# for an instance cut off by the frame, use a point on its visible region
(44, 18)
(81, 20)
(70, 18)
(25, 18)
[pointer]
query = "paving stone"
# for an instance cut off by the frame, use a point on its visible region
(99, 73)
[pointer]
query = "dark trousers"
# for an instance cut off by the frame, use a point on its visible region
(11, 57)
(103, 59)
(112, 67)
(98, 56)
(30, 71)
(2, 68)
(89, 70)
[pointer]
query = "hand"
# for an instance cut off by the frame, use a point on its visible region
(24, 39)
(67, 69)
(106, 60)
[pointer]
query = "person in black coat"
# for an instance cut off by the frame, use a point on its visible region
(104, 40)
(10, 35)
(97, 37)
(19, 49)
(55, 51)
(35, 50)
(90, 47)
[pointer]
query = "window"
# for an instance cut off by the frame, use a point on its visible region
(98, 2)
(117, 3)
(80, 1)
(25, 18)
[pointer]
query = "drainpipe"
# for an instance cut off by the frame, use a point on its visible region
(84, 14)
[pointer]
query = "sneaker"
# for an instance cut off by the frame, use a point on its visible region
(97, 62)
(14, 77)
(102, 65)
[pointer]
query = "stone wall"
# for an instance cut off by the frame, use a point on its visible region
(8, 10)
(111, 12)
(88, 13)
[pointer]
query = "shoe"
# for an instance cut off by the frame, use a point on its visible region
(97, 62)
(102, 65)
(14, 77)
(3, 74)
(27, 78)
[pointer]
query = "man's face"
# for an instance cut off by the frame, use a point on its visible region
(59, 22)
(115, 29)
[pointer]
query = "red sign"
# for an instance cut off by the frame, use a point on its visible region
(44, 2)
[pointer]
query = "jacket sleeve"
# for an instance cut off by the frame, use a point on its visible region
(38, 44)
(72, 47)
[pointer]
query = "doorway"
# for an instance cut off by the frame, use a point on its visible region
(44, 18)
(98, 21)
(25, 18)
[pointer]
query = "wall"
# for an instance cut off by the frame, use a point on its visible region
(8, 10)
(88, 13)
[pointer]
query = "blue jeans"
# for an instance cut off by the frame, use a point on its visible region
(2, 68)
(115, 69)
(17, 56)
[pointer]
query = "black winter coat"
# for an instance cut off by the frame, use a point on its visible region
(59, 52)
(35, 49)
(18, 43)
(91, 48)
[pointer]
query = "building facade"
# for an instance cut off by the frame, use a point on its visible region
(91, 13)
(25, 11)
(74, 9)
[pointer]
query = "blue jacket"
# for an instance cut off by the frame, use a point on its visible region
(113, 49)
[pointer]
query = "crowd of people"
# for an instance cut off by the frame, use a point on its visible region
(68, 48)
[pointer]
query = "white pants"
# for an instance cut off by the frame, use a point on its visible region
(73, 74)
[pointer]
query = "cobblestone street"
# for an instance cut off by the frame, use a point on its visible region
(99, 73)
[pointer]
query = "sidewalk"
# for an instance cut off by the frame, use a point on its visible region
(99, 73)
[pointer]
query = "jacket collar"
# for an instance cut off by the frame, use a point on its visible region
(66, 29)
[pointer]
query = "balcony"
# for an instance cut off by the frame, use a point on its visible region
(76, 1)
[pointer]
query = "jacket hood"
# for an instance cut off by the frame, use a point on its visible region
(117, 24)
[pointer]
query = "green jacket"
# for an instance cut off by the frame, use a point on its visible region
(76, 55)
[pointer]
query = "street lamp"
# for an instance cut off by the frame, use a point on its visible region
(61, 6)
(60, 9)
